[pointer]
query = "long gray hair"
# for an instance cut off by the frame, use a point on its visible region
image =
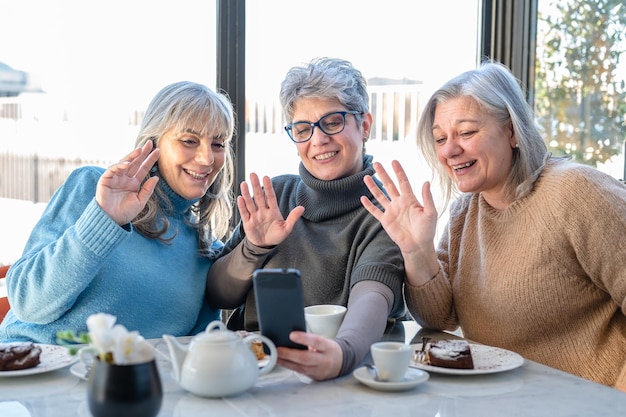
(494, 88)
(185, 105)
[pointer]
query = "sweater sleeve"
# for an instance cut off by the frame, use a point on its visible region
(368, 308)
(432, 304)
(229, 278)
(64, 251)
(379, 259)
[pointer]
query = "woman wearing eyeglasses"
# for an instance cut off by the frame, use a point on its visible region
(315, 222)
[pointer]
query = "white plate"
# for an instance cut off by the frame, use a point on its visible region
(52, 357)
(264, 361)
(413, 378)
(487, 360)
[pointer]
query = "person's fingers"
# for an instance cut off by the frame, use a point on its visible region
(315, 342)
(148, 163)
(257, 190)
(243, 208)
(146, 190)
(388, 183)
(427, 198)
(137, 163)
(270, 195)
(138, 158)
(246, 197)
(376, 191)
(322, 359)
(371, 208)
(403, 180)
(293, 216)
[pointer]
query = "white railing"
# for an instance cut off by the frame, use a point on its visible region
(395, 109)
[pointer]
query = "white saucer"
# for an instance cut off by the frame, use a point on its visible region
(413, 378)
(79, 370)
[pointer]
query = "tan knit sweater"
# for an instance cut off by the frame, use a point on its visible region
(545, 278)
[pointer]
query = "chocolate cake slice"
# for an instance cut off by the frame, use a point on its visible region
(450, 353)
(16, 356)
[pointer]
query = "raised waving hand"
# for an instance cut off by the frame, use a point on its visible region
(408, 223)
(261, 218)
(120, 192)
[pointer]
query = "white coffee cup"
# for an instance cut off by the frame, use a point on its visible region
(391, 359)
(324, 319)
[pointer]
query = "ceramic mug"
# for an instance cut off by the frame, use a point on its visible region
(324, 319)
(391, 359)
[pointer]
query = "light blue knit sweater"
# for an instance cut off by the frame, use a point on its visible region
(78, 262)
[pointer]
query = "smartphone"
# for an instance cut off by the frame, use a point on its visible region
(280, 304)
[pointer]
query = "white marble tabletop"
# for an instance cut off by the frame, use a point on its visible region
(530, 390)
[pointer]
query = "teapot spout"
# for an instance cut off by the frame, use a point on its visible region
(178, 353)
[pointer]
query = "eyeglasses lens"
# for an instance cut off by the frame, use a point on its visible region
(301, 132)
(330, 124)
(333, 123)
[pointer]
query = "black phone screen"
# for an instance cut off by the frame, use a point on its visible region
(280, 304)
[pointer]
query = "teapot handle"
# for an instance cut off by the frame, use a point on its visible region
(214, 325)
(272, 347)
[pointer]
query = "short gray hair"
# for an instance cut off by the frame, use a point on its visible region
(324, 78)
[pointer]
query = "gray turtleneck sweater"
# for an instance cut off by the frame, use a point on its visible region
(342, 252)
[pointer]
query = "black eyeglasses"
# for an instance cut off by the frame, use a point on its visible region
(330, 124)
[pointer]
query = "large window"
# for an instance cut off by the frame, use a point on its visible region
(97, 65)
(580, 90)
(93, 67)
(406, 49)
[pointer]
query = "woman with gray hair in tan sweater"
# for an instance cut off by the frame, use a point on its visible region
(532, 258)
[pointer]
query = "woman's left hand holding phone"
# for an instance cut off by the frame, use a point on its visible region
(120, 192)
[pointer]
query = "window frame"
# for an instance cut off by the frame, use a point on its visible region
(507, 34)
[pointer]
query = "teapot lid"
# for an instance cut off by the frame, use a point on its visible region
(216, 332)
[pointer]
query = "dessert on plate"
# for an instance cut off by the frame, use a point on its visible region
(256, 346)
(450, 353)
(17, 356)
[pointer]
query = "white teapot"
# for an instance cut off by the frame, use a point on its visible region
(218, 362)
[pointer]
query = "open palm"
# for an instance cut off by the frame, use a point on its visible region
(410, 224)
(119, 191)
(261, 218)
